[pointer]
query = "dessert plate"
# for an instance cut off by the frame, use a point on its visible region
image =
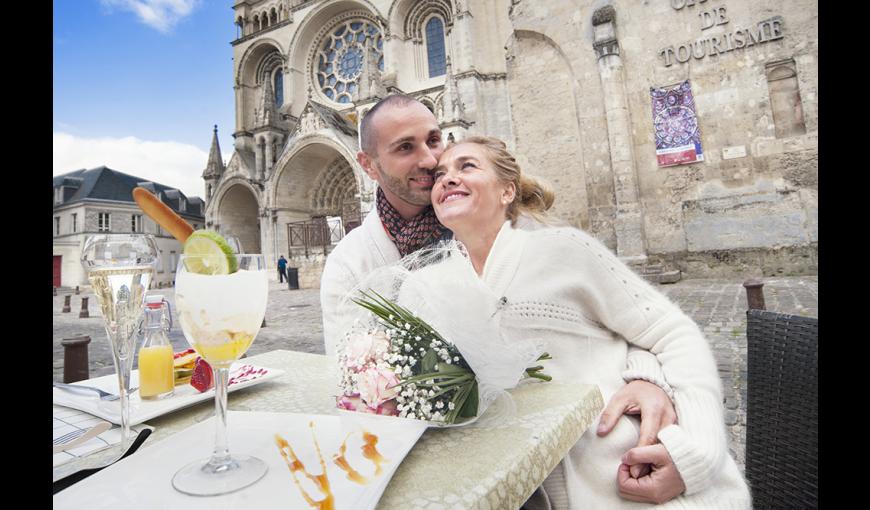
(242, 375)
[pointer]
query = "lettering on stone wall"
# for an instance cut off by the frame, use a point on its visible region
(743, 37)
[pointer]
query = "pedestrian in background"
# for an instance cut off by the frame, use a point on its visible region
(282, 268)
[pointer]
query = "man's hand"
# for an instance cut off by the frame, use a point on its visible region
(662, 484)
(651, 402)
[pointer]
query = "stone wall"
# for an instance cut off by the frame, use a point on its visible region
(757, 189)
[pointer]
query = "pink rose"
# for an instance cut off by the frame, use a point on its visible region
(349, 402)
(365, 348)
(377, 385)
(388, 408)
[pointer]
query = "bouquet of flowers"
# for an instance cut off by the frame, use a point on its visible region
(399, 365)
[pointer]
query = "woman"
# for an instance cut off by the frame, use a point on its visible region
(562, 285)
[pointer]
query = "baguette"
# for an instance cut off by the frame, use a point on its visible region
(162, 214)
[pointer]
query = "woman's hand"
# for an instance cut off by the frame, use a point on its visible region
(646, 399)
(662, 484)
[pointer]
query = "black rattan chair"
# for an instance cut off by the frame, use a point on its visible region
(782, 415)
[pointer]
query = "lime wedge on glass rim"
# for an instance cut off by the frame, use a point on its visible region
(207, 252)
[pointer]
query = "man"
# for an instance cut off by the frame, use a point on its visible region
(400, 143)
(282, 268)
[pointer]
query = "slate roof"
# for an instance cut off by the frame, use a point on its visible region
(103, 183)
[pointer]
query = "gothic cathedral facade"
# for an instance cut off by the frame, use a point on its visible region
(681, 133)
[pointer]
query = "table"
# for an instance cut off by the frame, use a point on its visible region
(459, 467)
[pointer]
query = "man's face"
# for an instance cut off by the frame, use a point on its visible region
(408, 144)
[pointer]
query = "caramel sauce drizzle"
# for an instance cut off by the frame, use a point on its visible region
(369, 450)
(321, 480)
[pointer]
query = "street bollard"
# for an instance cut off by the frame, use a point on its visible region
(75, 358)
(54, 290)
(754, 294)
(84, 313)
(66, 303)
(77, 290)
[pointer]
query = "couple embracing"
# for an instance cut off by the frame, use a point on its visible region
(661, 438)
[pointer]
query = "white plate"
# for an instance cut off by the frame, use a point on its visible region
(144, 480)
(143, 410)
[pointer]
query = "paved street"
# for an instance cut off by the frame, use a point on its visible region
(293, 322)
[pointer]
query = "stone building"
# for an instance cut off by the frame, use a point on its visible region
(569, 86)
(88, 202)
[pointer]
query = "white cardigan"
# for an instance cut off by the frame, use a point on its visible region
(368, 247)
(563, 285)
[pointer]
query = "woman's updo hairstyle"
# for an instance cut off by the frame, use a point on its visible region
(531, 197)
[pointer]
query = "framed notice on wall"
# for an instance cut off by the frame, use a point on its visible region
(678, 138)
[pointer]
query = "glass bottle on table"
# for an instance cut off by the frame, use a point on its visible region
(156, 377)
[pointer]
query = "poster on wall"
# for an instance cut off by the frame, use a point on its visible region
(678, 138)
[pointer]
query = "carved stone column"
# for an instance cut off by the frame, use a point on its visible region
(258, 159)
(629, 220)
(461, 38)
(267, 161)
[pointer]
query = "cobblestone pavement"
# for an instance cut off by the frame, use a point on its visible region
(293, 322)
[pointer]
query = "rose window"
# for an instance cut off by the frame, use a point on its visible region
(341, 56)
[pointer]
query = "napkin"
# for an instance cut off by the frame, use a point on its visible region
(144, 480)
(68, 420)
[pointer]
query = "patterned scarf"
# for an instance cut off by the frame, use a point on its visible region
(410, 235)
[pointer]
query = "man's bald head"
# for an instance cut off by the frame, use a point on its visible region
(367, 133)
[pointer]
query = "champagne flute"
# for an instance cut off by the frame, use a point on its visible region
(220, 314)
(120, 268)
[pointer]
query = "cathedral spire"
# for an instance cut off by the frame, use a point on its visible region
(266, 114)
(215, 166)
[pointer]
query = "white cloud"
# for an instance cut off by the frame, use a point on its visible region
(159, 14)
(173, 164)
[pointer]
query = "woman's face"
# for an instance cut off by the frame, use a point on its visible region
(467, 194)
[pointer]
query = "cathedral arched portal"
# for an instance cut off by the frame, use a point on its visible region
(317, 198)
(237, 215)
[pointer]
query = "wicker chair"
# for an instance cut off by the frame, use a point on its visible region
(782, 411)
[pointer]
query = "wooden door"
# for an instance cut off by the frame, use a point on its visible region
(56, 271)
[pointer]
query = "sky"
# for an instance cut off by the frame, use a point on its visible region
(138, 86)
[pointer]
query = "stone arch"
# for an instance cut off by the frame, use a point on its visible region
(406, 16)
(318, 150)
(237, 212)
(317, 178)
(251, 59)
(546, 125)
(428, 103)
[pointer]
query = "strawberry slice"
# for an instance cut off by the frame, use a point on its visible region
(183, 353)
(203, 378)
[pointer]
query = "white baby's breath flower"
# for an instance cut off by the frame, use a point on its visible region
(439, 405)
(450, 405)
(407, 325)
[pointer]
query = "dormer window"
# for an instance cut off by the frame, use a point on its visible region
(182, 204)
(58, 195)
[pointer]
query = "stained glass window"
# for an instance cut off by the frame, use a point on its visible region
(279, 88)
(435, 47)
(341, 57)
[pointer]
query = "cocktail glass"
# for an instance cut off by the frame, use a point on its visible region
(220, 315)
(120, 268)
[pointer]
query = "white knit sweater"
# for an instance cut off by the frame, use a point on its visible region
(368, 247)
(565, 286)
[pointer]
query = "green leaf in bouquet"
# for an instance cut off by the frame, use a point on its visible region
(469, 407)
(429, 362)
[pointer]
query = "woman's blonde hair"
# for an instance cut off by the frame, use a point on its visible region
(532, 197)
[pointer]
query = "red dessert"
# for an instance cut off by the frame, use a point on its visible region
(202, 378)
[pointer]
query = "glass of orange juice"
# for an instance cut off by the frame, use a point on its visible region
(221, 304)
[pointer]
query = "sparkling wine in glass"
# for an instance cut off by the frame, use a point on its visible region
(120, 268)
(220, 315)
